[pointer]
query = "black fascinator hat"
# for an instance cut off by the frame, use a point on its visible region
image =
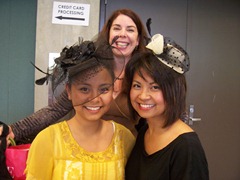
(85, 57)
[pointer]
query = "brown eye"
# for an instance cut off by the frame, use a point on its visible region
(155, 87)
(84, 90)
(105, 89)
(136, 86)
(130, 30)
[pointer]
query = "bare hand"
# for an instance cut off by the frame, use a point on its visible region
(9, 136)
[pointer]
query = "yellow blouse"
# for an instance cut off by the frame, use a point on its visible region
(54, 154)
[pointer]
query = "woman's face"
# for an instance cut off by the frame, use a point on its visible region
(124, 27)
(92, 97)
(146, 97)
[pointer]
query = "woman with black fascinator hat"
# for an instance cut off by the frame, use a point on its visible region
(166, 147)
(132, 37)
(85, 146)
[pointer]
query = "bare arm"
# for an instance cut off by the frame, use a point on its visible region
(33, 124)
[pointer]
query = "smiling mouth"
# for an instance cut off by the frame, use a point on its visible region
(146, 106)
(122, 44)
(93, 108)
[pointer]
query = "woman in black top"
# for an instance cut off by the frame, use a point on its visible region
(166, 147)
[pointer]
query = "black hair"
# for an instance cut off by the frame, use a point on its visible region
(172, 84)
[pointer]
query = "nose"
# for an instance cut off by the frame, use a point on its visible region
(94, 96)
(144, 94)
(122, 33)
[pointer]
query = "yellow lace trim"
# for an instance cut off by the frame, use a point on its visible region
(112, 153)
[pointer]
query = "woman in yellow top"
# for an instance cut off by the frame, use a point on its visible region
(132, 39)
(86, 146)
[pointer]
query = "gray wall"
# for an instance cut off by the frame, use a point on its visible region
(214, 37)
(51, 38)
(17, 49)
(28, 35)
(210, 32)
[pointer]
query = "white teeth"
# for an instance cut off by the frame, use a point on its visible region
(93, 108)
(121, 44)
(146, 105)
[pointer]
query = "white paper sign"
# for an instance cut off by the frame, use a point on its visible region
(52, 57)
(70, 13)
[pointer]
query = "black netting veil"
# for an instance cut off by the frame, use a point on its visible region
(83, 60)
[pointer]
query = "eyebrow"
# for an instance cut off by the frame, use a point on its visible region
(88, 84)
(151, 83)
(130, 26)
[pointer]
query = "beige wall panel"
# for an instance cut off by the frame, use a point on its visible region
(51, 38)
